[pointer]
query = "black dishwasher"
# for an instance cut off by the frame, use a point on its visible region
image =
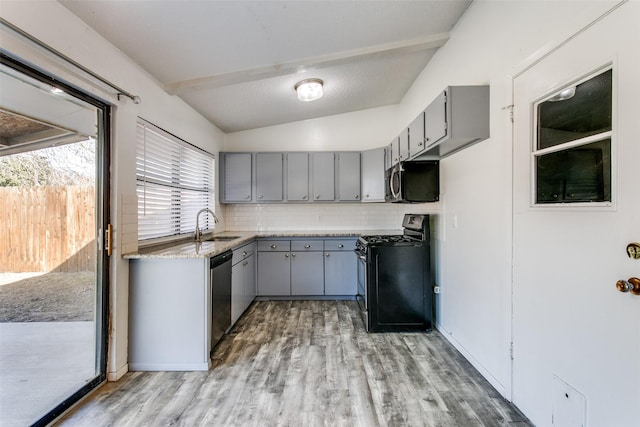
(220, 270)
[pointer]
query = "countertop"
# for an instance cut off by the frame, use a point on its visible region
(191, 249)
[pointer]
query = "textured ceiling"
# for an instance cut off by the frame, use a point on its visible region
(236, 62)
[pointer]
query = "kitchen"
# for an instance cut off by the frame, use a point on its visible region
(485, 260)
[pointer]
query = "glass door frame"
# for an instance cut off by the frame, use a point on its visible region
(102, 186)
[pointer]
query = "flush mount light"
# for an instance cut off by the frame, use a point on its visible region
(309, 89)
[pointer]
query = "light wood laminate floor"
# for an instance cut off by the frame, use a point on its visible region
(308, 363)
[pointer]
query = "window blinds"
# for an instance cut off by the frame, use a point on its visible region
(174, 180)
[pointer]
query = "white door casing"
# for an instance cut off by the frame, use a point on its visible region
(569, 321)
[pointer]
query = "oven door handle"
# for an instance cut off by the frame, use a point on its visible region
(362, 257)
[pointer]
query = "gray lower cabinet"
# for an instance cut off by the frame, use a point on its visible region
(243, 280)
(340, 267)
(307, 276)
(169, 314)
(274, 268)
(307, 267)
(340, 273)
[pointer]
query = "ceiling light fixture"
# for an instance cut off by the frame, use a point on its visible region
(309, 89)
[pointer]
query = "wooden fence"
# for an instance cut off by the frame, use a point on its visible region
(49, 228)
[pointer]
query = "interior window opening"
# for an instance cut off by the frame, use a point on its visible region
(573, 143)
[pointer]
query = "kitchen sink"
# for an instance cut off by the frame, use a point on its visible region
(221, 238)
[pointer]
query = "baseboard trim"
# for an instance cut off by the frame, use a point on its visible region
(115, 376)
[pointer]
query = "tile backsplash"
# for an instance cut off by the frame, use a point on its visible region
(316, 216)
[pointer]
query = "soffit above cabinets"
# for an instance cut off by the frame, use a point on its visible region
(237, 62)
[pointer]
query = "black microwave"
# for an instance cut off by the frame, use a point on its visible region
(413, 182)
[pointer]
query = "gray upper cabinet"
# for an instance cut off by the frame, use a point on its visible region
(235, 172)
(323, 176)
(373, 168)
(298, 177)
(348, 176)
(269, 180)
(387, 157)
(404, 145)
(435, 121)
(457, 118)
(416, 135)
(395, 151)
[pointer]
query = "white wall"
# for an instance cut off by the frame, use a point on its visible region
(51, 23)
(359, 130)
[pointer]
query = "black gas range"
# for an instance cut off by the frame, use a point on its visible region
(394, 278)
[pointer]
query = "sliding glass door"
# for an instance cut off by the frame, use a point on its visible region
(54, 152)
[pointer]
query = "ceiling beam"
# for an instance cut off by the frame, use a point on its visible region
(243, 76)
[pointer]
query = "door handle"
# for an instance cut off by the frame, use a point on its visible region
(632, 285)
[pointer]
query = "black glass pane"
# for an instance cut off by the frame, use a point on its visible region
(580, 174)
(570, 115)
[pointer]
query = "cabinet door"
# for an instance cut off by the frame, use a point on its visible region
(249, 276)
(274, 277)
(323, 176)
(307, 273)
(435, 120)
(416, 136)
(373, 175)
(395, 151)
(237, 291)
(237, 177)
(269, 177)
(388, 160)
(340, 273)
(298, 176)
(403, 142)
(348, 176)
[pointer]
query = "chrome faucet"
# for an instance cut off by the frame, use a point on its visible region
(215, 219)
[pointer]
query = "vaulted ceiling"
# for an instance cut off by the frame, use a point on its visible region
(236, 62)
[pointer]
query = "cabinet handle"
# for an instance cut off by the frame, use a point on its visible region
(367, 196)
(247, 197)
(327, 254)
(244, 253)
(420, 144)
(426, 139)
(307, 246)
(304, 197)
(293, 254)
(317, 196)
(341, 246)
(260, 196)
(245, 263)
(286, 255)
(357, 196)
(274, 246)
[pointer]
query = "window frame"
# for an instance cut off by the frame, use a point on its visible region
(534, 153)
(180, 212)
